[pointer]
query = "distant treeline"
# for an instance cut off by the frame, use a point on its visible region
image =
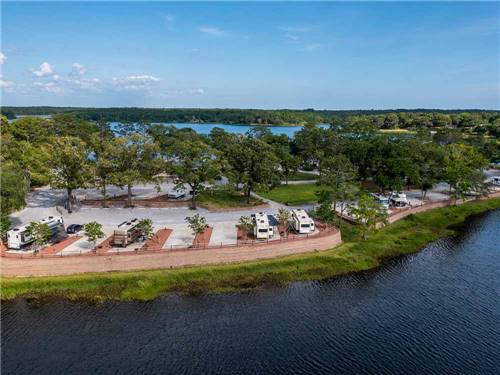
(403, 118)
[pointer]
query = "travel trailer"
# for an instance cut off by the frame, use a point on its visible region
(398, 200)
(262, 229)
(18, 238)
(301, 222)
(126, 233)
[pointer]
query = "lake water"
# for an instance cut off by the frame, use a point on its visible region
(437, 311)
(239, 129)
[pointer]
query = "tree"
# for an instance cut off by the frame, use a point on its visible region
(289, 164)
(245, 223)
(464, 170)
(5, 224)
(428, 166)
(136, 160)
(40, 232)
(145, 227)
(69, 165)
(338, 172)
(195, 164)
(197, 224)
(284, 217)
(13, 188)
(93, 231)
(253, 164)
(368, 213)
(104, 164)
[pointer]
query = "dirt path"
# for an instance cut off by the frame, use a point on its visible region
(12, 267)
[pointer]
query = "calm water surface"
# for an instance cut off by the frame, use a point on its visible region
(437, 311)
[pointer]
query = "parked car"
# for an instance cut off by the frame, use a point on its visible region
(176, 194)
(74, 228)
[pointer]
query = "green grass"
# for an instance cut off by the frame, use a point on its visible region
(217, 199)
(292, 194)
(303, 176)
(403, 237)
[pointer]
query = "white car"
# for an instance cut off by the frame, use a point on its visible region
(176, 194)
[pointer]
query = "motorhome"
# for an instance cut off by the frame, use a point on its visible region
(495, 180)
(301, 222)
(262, 229)
(398, 200)
(381, 199)
(18, 238)
(126, 233)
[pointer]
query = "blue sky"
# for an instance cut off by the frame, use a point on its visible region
(251, 55)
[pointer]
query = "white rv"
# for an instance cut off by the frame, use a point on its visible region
(262, 230)
(301, 221)
(18, 237)
(126, 233)
(398, 200)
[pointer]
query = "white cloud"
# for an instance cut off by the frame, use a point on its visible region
(312, 46)
(45, 70)
(295, 29)
(139, 82)
(293, 38)
(6, 84)
(215, 31)
(79, 69)
(197, 91)
(52, 87)
(3, 58)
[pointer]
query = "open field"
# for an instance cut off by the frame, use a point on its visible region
(400, 238)
(292, 194)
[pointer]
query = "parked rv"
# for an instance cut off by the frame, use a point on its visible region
(126, 233)
(262, 229)
(381, 199)
(301, 222)
(398, 199)
(176, 194)
(495, 180)
(18, 238)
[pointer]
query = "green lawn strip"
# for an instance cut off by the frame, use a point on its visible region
(214, 199)
(292, 194)
(403, 237)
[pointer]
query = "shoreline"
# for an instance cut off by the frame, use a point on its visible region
(403, 237)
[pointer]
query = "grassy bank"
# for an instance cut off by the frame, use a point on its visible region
(403, 237)
(292, 194)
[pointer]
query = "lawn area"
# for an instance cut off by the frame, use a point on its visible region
(303, 176)
(292, 194)
(403, 237)
(397, 131)
(216, 199)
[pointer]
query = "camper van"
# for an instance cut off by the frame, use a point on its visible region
(301, 222)
(262, 229)
(17, 238)
(126, 233)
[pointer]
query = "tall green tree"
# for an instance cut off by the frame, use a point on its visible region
(93, 231)
(40, 232)
(69, 166)
(195, 164)
(368, 213)
(136, 161)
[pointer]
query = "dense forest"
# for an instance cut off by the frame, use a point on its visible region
(383, 119)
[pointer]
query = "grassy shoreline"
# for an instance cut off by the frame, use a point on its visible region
(403, 237)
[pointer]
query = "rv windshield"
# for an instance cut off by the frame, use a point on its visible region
(305, 225)
(262, 230)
